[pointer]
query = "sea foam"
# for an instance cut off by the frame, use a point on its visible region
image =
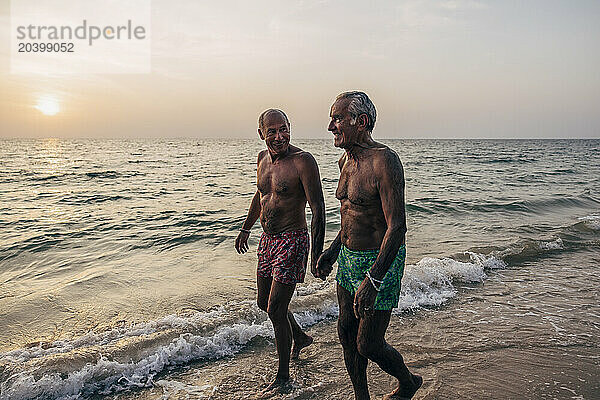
(431, 282)
(591, 221)
(214, 334)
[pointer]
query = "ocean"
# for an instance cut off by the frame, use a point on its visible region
(119, 277)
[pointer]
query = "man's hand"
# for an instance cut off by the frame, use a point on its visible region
(323, 266)
(241, 242)
(364, 299)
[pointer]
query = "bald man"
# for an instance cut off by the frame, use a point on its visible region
(287, 178)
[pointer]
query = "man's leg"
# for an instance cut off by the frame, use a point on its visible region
(301, 339)
(279, 300)
(264, 290)
(372, 344)
(356, 364)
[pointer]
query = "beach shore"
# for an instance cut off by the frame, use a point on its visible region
(482, 345)
(145, 297)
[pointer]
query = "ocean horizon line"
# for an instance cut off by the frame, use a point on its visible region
(294, 138)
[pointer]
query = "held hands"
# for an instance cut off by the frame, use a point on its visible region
(241, 242)
(323, 266)
(364, 299)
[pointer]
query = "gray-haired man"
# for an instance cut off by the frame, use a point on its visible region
(370, 247)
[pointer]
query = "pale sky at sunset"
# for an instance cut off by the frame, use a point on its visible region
(434, 69)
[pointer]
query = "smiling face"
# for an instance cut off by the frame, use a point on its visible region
(343, 125)
(275, 131)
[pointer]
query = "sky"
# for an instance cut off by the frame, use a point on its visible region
(434, 69)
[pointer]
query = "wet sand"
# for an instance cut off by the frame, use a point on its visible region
(510, 338)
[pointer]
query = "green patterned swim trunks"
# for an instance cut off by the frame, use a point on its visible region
(352, 269)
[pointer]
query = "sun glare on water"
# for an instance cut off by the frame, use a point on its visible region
(48, 105)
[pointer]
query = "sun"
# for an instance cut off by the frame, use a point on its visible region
(48, 105)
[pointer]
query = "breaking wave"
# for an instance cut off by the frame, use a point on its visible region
(132, 356)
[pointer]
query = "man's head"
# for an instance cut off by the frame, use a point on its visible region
(352, 115)
(274, 129)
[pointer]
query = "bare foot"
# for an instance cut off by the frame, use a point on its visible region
(278, 386)
(300, 344)
(405, 394)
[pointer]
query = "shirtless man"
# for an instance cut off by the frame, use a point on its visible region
(287, 178)
(370, 247)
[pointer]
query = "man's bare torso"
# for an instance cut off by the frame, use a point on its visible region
(282, 197)
(363, 222)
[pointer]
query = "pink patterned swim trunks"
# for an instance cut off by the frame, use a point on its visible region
(283, 256)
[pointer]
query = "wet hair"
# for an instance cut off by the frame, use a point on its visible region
(261, 119)
(360, 104)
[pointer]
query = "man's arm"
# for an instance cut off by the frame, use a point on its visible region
(391, 192)
(325, 262)
(328, 257)
(253, 212)
(311, 182)
(241, 242)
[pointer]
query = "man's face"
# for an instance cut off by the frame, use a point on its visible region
(345, 134)
(276, 133)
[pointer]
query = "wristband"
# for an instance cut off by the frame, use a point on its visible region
(374, 281)
(245, 230)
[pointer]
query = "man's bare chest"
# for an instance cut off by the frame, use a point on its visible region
(279, 179)
(357, 186)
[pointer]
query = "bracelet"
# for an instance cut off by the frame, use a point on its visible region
(374, 281)
(245, 230)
